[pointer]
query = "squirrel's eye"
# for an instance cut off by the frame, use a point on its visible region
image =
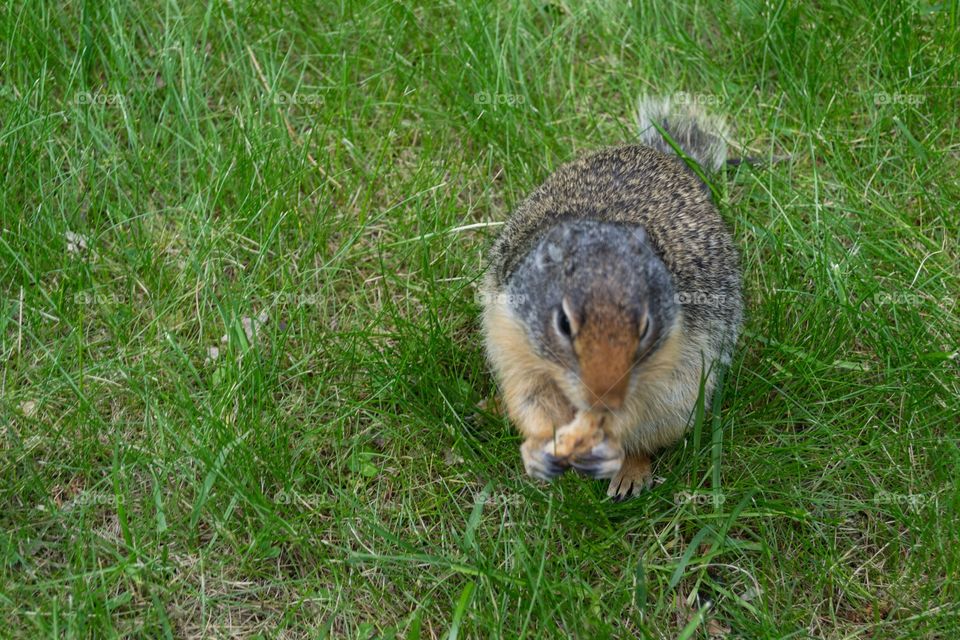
(645, 329)
(562, 323)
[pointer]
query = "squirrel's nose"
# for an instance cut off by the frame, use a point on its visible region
(606, 380)
(605, 347)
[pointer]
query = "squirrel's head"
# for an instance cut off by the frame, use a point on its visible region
(596, 300)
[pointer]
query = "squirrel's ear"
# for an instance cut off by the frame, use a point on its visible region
(551, 248)
(548, 253)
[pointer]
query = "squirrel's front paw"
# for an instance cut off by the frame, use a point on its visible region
(579, 436)
(603, 460)
(539, 459)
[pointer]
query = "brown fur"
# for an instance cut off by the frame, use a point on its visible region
(605, 347)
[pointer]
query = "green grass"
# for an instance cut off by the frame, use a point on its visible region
(342, 169)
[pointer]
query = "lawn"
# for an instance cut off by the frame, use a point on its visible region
(243, 392)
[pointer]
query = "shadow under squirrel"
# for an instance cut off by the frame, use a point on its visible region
(612, 292)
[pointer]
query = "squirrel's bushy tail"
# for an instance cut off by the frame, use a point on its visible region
(701, 136)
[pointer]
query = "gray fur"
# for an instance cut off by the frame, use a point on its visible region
(648, 195)
(579, 258)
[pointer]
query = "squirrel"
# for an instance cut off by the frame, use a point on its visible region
(611, 294)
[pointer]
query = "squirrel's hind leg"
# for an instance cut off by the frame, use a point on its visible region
(634, 476)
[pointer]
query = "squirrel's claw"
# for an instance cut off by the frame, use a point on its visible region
(539, 462)
(634, 476)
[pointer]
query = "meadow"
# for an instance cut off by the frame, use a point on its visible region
(243, 392)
